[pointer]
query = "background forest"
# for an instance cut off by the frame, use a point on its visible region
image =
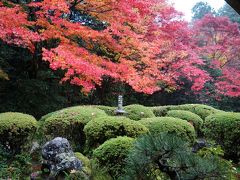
(28, 85)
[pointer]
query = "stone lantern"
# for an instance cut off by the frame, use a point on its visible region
(120, 111)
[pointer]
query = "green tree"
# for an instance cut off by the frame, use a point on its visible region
(200, 9)
(228, 11)
(166, 153)
(29, 86)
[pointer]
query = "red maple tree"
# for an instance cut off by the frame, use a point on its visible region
(144, 44)
(218, 41)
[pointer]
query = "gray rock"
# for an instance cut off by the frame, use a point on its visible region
(201, 143)
(58, 156)
(35, 147)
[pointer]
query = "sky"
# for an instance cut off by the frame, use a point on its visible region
(185, 6)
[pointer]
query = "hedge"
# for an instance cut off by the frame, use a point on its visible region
(112, 155)
(137, 112)
(188, 116)
(200, 109)
(170, 125)
(101, 129)
(224, 128)
(17, 131)
(69, 123)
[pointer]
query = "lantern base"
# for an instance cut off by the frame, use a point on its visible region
(120, 112)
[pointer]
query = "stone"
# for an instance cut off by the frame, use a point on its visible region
(120, 111)
(201, 143)
(35, 147)
(58, 156)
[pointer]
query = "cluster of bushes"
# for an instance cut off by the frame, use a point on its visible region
(201, 110)
(69, 123)
(96, 132)
(101, 129)
(192, 118)
(170, 125)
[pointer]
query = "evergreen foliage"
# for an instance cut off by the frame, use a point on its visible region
(200, 109)
(171, 125)
(160, 111)
(99, 130)
(137, 112)
(200, 9)
(228, 11)
(16, 131)
(113, 153)
(188, 116)
(154, 154)
(224, 128)
(108, 110)
(14, 166)
(69, 123)
(85, 161)
(31, 87)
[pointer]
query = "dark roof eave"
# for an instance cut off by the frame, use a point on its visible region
(235, 5)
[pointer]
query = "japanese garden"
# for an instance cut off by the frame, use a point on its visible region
(119, 90)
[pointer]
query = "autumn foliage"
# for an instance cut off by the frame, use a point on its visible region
(142, 43)
(218, 42)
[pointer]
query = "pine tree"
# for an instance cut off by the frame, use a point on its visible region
(166, 153)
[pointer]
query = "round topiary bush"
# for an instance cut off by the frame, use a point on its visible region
(224, 129)
(101, 129)
(200, 109)
(170, 125)
(137, 112)
(16, 131)
(188, 116)
(69, 123)
(112, 155)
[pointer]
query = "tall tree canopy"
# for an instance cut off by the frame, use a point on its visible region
(142, 43)
(218, 41)
(229, 12)
(200, 9)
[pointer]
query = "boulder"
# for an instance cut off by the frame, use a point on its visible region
(58, 156)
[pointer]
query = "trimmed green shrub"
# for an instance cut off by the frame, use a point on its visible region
(86, 162)
(171, 125)
(160, 111)
(188, 116)
(200, 109)
(101, 129)
(69, 123)
(112, 155)
(137, 112)
(108, 110)
(17, 130)
(224, 128)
